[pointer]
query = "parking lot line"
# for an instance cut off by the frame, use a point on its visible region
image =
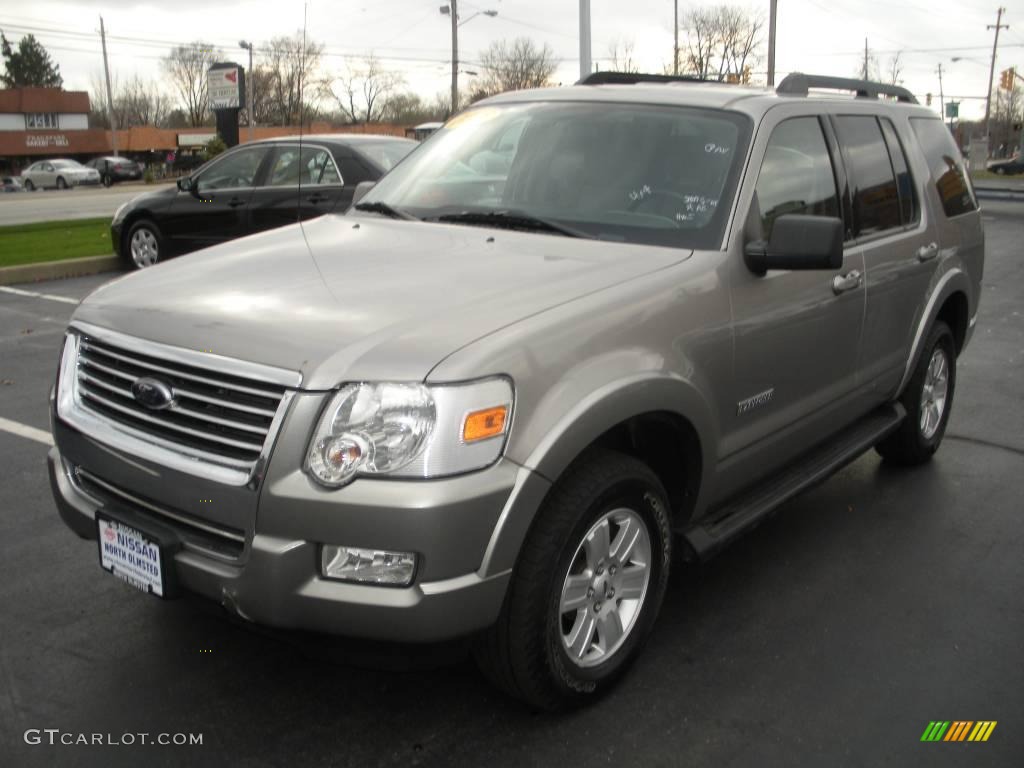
(24, 430)
(35, 295)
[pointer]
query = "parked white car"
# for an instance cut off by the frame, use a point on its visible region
(60, 174)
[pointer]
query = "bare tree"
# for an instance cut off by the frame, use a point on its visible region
(363, 90)
(291, 65)
(516, 65)
(136, 102)
(871, 68)
(721, 42)
(620, 55)
(186, 67)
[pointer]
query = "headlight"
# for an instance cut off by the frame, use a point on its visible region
(410, 430)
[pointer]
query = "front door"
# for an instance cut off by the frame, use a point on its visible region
(216, 208)
(795, 337)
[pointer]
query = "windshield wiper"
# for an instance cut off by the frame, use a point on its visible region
(510, 220)
(385, 210)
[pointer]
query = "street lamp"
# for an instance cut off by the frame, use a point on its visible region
(452, 10)
(250, 82)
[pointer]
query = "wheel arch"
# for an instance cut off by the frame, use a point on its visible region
(664, 422)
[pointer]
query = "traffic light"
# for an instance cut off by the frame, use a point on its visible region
(1006, 79)
(928, 100)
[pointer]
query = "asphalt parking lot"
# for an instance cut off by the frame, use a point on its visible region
(830, 636)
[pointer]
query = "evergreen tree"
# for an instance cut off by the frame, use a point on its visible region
(30, 65)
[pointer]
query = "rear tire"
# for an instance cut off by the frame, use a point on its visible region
(564, 635)
(61, 184)
(29, 186)
(928, 399)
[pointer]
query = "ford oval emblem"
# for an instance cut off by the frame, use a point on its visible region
(153, 393)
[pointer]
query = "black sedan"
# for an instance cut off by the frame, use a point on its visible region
(114, 169)
(251, 188)
(1009, 166)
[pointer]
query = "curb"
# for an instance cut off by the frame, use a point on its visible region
(52, 270)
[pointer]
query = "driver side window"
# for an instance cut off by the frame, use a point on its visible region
(236, 170)
(796, 174)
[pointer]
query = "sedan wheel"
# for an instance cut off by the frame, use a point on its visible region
(144, 246)
(29, 186)
(61, 184)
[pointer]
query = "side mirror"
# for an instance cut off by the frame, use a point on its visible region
(798, 242)
(185, 183)
(361, 189)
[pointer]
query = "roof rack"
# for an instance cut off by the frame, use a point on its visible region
(632, 78)
(797, 84)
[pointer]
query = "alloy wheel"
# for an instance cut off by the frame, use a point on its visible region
(144, 248)
(934, 392)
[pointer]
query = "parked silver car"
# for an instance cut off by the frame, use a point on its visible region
(58, 174)
(496, 397)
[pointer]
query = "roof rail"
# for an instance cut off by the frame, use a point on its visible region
(797, 84)
(632, 78)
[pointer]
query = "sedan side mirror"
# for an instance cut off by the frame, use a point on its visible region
(361, 189)
(185, 183)
(798, 242)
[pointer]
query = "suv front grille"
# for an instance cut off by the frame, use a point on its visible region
(213, 413)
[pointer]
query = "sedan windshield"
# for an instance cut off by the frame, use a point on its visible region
(627, 172)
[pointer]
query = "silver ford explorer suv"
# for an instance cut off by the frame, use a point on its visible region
(577, 330)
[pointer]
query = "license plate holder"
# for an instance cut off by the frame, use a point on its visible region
(139, 554)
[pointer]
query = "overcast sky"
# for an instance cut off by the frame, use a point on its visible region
(411, 36)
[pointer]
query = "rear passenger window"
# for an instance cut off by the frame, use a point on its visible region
(876, 202)
(909, 206)
(946, 166)
(796, 175)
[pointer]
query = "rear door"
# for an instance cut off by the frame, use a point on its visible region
(300, 184)
(216, 209)
(899, 248)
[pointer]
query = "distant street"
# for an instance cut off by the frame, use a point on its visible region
(54, 205)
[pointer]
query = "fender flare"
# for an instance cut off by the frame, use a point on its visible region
(594, 415)
(952, 281)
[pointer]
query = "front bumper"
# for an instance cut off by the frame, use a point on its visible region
(275, 579)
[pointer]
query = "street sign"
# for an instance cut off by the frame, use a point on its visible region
(952, 109)
(225, 86)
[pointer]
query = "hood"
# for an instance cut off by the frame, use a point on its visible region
(367, 299)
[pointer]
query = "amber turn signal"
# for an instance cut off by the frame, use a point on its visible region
(479, 425)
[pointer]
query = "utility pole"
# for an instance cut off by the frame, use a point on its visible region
(675, 31)
(992, 70)
(942, 98)
(453, 7)
(250, 82)
(585, 66)
(865, 58)
(110, 97)
(773, 8)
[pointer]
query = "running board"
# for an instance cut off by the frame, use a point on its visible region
(748, 509)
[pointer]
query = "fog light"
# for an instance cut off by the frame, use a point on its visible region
(369, 566)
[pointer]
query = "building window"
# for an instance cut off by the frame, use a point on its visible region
(41, 120)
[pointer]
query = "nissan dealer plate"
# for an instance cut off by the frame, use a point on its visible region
(131, 555)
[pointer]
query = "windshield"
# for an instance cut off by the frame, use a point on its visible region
(629, 172)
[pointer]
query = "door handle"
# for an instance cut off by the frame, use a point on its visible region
(847, 282)
(234, 202)
(928, 252)
(316, 197)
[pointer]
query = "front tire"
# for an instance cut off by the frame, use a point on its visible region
(143, 244)
(928, 399)
(587, 588)
(61, 184)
